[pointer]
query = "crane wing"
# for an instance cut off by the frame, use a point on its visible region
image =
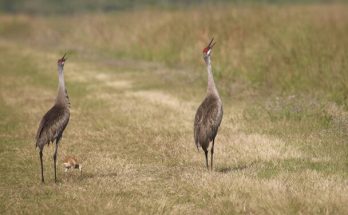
(207, 120)
(52, 124)
(197, 123)
(215, 113)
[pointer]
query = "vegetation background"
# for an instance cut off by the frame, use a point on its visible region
(135, 77)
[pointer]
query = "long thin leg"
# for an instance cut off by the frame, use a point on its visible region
(55, 161)
(206, 157)
(42, 176)
(212, 156)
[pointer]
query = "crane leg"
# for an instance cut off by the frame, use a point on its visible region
(212, 156)
(42, 176)
(206, 157)
(55, 161)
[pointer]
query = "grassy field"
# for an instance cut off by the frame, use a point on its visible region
(135, 79)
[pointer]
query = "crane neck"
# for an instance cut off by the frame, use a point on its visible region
(62, 97)
(211, 89)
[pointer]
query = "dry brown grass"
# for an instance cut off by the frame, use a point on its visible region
(131, 121)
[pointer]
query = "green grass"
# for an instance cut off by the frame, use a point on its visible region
(283, 49)
(48, 7)
(134, 89)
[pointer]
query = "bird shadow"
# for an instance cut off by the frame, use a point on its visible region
(102, 175)
(235, 168)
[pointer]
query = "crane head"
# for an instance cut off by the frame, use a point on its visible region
(207, 50)
(62, 60)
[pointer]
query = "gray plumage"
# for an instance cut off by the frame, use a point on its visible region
(209, 113)
(52, 125)
(54, 122)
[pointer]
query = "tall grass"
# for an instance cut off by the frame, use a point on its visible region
(260, 49)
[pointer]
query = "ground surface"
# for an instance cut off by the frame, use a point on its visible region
(132, 113)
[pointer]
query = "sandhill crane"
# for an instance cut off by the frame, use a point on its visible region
(54, 122)
(70, 162)
(209, 113)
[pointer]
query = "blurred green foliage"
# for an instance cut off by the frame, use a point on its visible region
(68, 6)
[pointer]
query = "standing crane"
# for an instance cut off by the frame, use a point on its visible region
(209, 113)
(54, 122)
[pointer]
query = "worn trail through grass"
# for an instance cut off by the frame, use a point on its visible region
(137, 150)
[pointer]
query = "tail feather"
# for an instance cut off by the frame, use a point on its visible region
(39, 144)
(198, 145)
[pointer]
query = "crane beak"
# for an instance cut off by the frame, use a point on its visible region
(63, 58)
(211, 44)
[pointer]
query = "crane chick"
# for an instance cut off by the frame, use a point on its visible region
(71, 162)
